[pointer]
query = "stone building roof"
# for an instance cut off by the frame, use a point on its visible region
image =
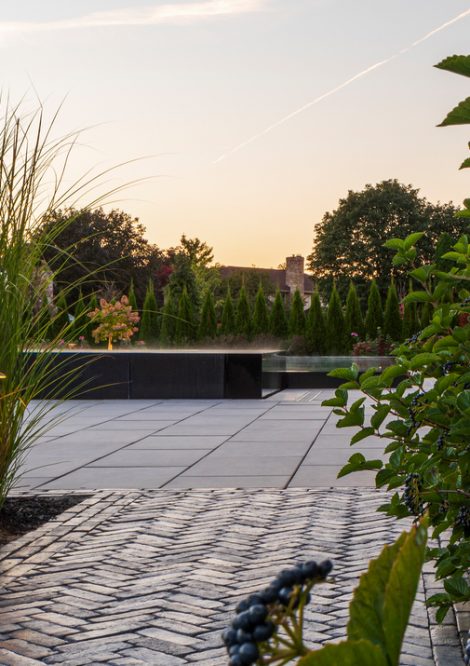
(276, 275)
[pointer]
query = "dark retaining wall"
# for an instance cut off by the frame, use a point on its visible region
(153, 375)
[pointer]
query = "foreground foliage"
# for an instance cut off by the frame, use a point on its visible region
(268, 627)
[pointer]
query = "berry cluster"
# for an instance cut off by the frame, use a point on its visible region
(463, 520)
(259, 616)
(412, 494)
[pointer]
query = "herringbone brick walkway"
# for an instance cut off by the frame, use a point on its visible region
(152, 577)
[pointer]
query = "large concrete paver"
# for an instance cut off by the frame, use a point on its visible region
(152, 577)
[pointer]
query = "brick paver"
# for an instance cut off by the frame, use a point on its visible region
(152, 576)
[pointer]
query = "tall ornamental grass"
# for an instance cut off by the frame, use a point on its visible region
(32, 184)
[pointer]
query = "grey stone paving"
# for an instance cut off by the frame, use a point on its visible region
(152, 577)
(287, 440)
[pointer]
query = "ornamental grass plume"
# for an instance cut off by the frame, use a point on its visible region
(32, 185)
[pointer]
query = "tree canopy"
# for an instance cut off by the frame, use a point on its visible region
(348, 242)
(104, 249)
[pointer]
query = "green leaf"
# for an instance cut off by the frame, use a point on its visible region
(412, 239)
(353, 418)
(465, 164)
(394, 243)
(350, 374)
(441, 613)
(457, 586)
(463, 402)
(380, 415)
(458, 64)
(347, 653)
(362, 434)
(460, 115)
(381, 605)
(418, 297)
(426, 358)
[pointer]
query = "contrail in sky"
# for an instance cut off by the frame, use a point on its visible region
(346, 83)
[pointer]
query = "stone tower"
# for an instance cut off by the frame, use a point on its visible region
(295, 274)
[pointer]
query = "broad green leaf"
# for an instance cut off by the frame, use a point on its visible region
(347, 653)
(355, 418)
(460, 115)
(380, 415)
(381, 605)
(392, 372)
(412, 239)
(401, 589)
(458, 64)
(426, 358)
(349, 374)
(394, 243)
(465, 164)
(463, 402)
(418, 297)
(358, 466)
(362, 434)
(457, 586)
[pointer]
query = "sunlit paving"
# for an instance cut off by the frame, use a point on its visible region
(235, 333)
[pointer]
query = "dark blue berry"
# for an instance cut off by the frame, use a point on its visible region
(310, 570)
(236, 622)
(258, 613)
(236, 660)
(263, 631)
(244, 636)
(269, 595)
(229, 636)
(248, 653)
(284, 595)
(245, 620)
(288, 577)
(243, 606)
(324, 568)
(234, 649)
(255, 599)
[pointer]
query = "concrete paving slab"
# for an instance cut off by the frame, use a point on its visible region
(340, 456)
(228, 482)
(237, 448)
(114, 477)
(131, 426)
(245, 466)
(150, 458)
(177, 442)
(182, 429)
(338, 440)
(323, 476)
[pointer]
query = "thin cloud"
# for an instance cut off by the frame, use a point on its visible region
(336, 89)
(144, 16)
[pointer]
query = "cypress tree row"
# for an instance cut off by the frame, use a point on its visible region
(374, 316)
(260, 313)
(80, 319)
(208, 322)
(185, 329)
(392, 321)
(243, 322)
(410, 320)
(354, 318)
(228, 315)
(168, 320)
(92, 305)
(60, 320)
(132, 297)
(297, 316)
(149, 322)
(278, 324)
(336, 325)
(425, 315)
(315, 327)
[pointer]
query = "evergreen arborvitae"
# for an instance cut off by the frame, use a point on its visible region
(92, 305)
(185, 330)
(208, 321)
(296, 315)
(374, 316)
(60, 320)
(243, 322)
(80, 319)
(148, 331)
(354, 318)
(315, 327)
(132, 297)
(425, 315)
(410, 320)
(228, 315)
(278, 324)
(393, 324)
(260, 313)
(168, 320)
(338, 342)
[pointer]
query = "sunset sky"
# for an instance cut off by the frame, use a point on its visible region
(219, 97)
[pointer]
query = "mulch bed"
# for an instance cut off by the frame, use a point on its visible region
(23, 514)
